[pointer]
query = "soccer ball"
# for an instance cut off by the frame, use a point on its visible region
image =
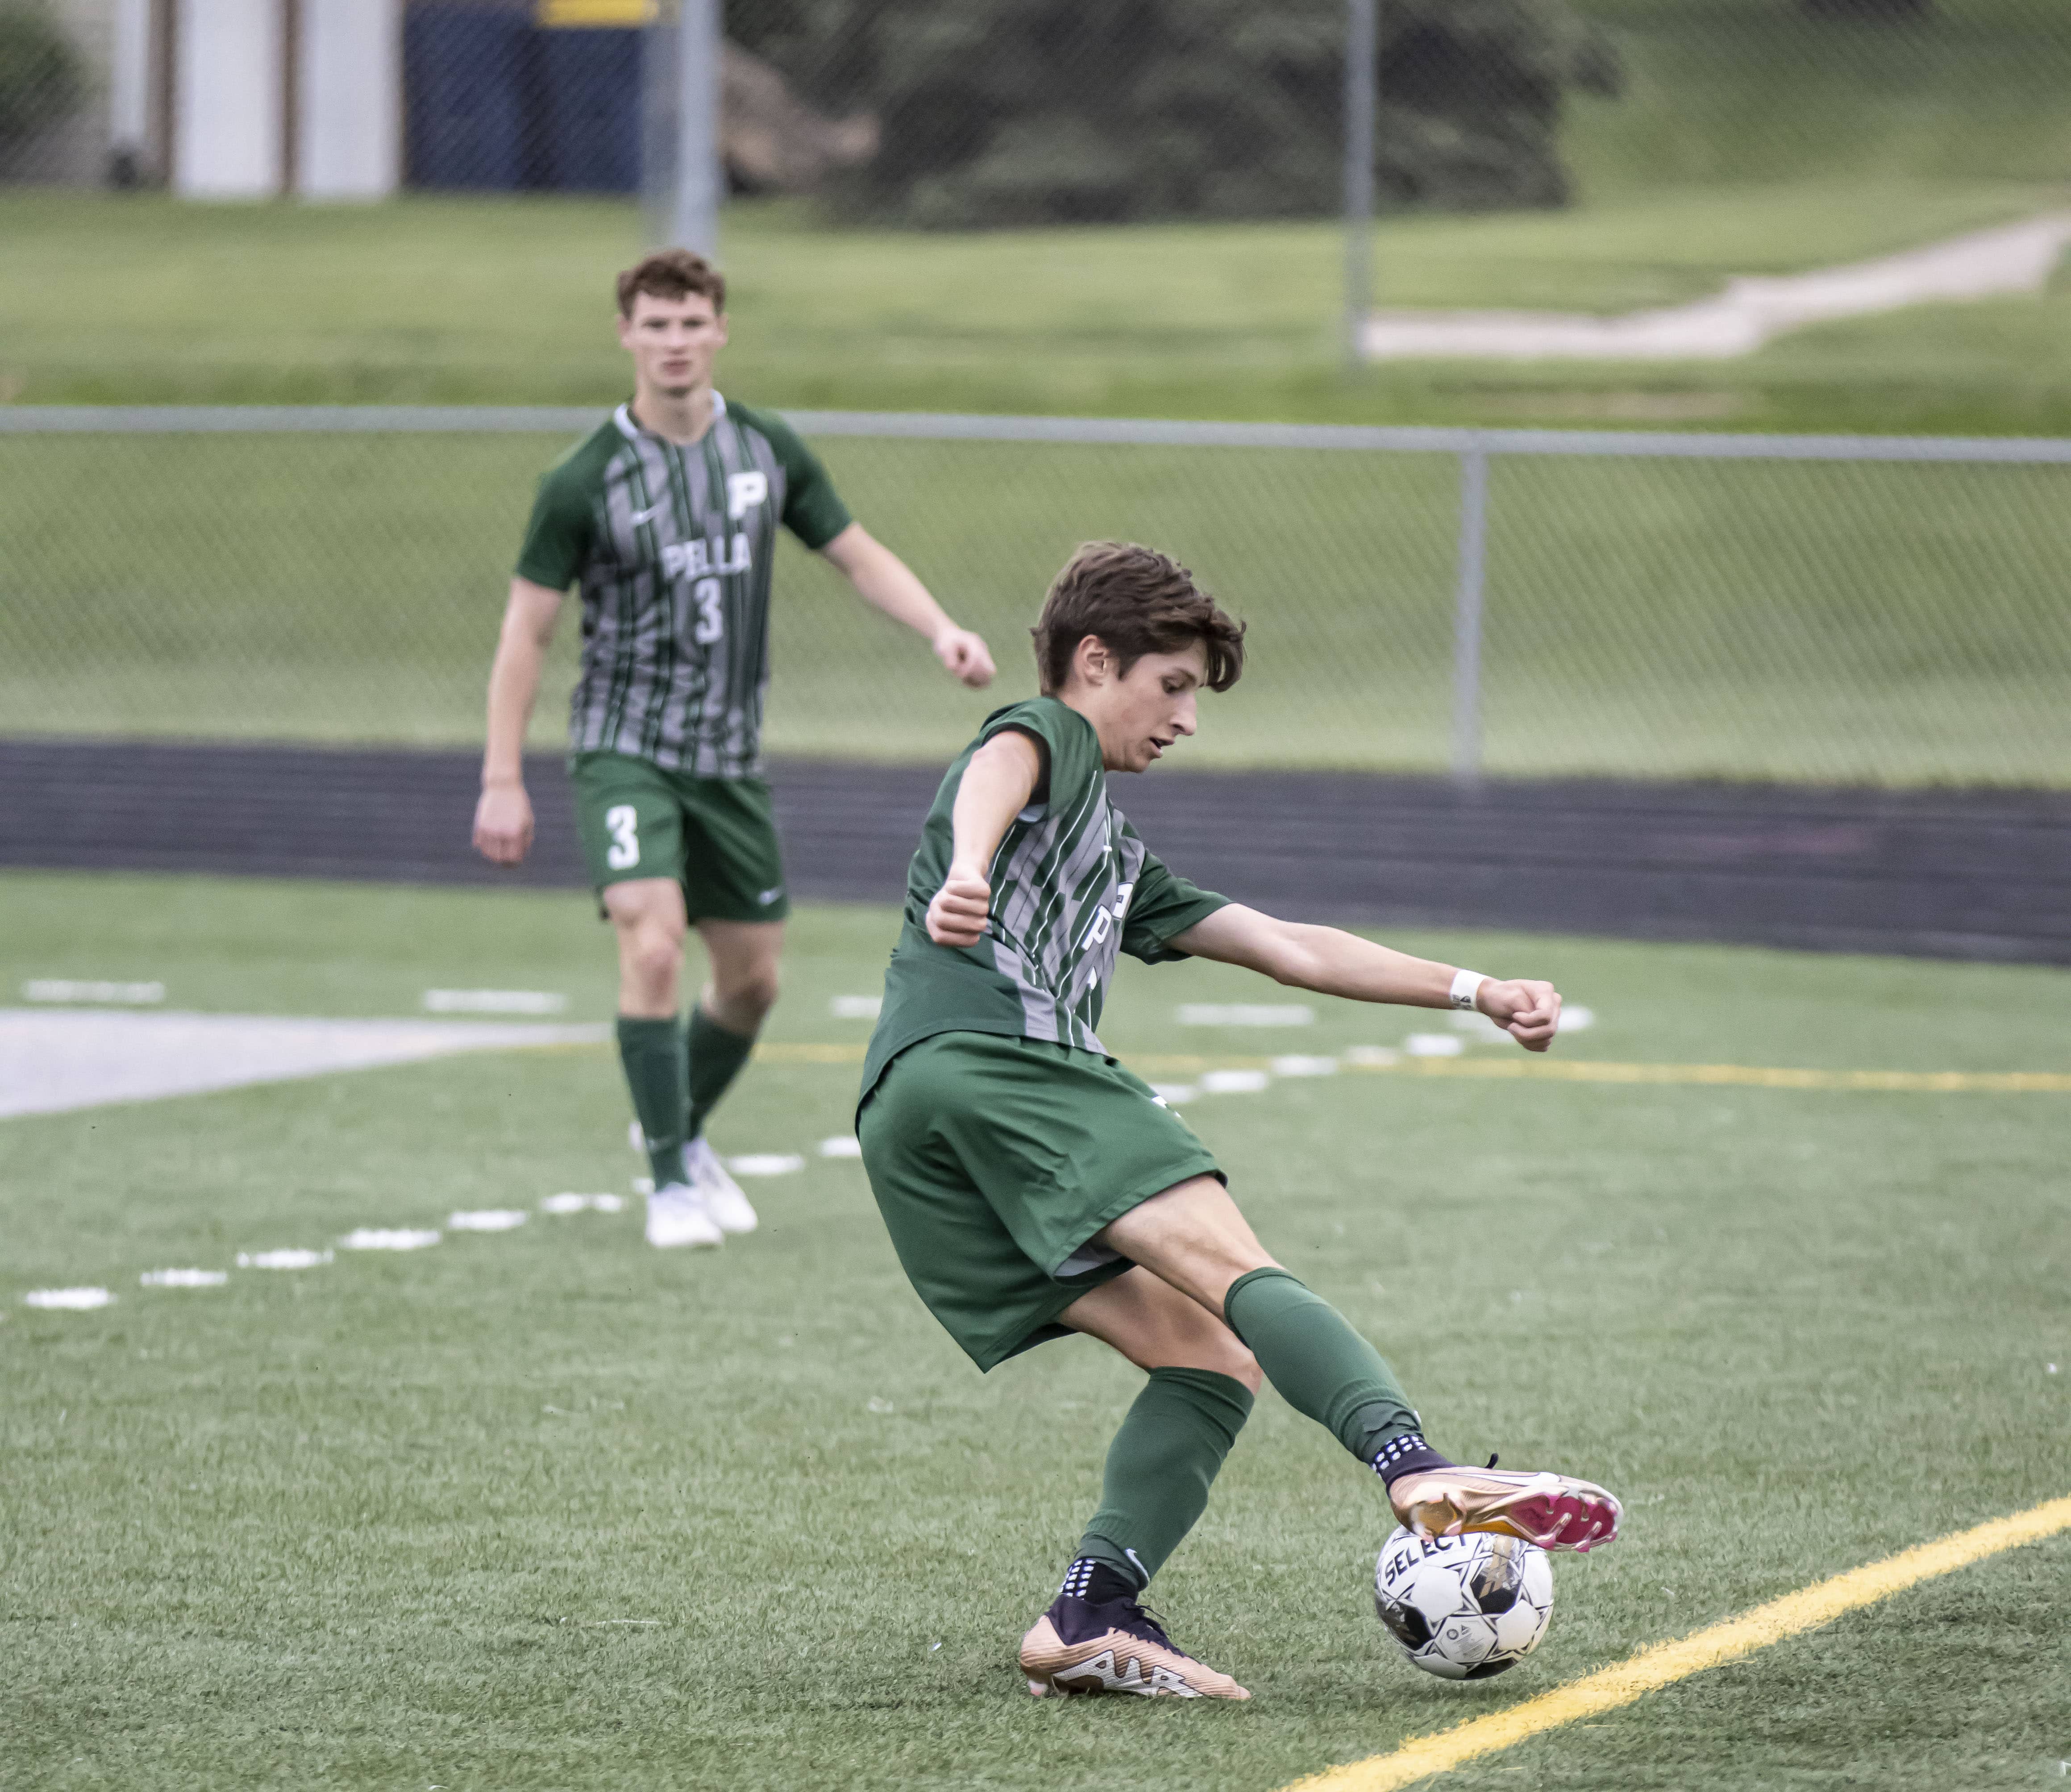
(1464, 1607)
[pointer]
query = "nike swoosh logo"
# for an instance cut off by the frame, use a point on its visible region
(770, 895)
(648, 515)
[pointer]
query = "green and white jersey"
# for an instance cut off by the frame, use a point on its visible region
(673, 547)
(1072, 886)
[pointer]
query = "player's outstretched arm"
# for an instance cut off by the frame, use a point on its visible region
(996, 786)
(886, 582)
(1335, 963)
(503, 816)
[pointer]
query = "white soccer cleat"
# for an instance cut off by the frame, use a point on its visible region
(720, 1193)
(676, 1216)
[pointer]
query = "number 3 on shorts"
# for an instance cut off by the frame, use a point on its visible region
(624, 822)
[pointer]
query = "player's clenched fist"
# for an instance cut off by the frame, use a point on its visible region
(503, 824)
(966, 655)
(1529, 1012)
(957, 917)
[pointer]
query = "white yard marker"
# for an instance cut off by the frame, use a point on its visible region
(1233, 1083)
(374, 1238)
(842, 1144)
(1245, 1014)
(291, 1258)
(855, 1008)
(1434, 1045)
(183, 1278)
(1294, 1064)
(67, 989)
(765, 1164)
(1479, 1027)
(494, 1001)
(1373, 1056)
(485, 1219)
(1576, 1020)
(573, 1203)
(72, 1300)
(1173, 1094)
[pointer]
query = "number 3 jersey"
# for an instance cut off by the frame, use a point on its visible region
(673, 548)
(1072, 886)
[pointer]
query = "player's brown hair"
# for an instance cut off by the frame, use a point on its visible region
(671, 274)
(1137, 601)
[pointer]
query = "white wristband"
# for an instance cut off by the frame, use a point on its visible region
(1466, 986)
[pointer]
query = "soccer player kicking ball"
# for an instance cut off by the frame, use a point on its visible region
(1033, 1187)
(667, 515)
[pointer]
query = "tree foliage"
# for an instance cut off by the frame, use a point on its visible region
(42, 78)
(1024, 112)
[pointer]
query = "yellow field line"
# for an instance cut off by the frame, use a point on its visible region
(1666, 1662)
(1558, 1069)
(1549, 1069)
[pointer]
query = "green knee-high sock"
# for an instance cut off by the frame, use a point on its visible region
(714, 1057)
(652, 1052)
(1320, 1366)
(1160, 1467)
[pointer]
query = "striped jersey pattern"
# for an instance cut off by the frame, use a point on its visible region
(675, 649)
(1061, 885)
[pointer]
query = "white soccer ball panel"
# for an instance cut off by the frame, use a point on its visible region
(1464, 1607)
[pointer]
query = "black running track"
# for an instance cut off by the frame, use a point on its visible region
(1983, 874)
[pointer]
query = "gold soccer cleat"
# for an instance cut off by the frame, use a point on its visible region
(1549, 1509)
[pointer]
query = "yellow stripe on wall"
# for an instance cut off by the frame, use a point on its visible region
(1666, 1662)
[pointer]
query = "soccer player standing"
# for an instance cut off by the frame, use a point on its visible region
(1034, 1188)
(667, 517)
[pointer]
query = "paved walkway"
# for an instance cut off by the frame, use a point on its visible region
(1949, 874)
(2013, 258)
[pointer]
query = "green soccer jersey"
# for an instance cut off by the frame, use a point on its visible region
(673, 547)
(1071, 886)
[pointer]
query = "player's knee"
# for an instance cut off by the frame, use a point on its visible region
(1243, 1366)
(654, 959)
(750, 992)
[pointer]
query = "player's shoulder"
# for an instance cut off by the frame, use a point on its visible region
(786, 442)
(584, 464)
(1072, 748)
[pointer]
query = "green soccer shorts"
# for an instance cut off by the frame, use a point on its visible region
(716, 836)
(994, 1161)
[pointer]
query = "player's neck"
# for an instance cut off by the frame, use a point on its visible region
(681, 417)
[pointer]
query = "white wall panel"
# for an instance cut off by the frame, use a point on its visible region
(349, 103)
(228, 115)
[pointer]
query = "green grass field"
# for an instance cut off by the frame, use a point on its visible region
(1874, 623)
(550, 1509)
(112, 300)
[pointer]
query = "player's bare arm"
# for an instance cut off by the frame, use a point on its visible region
(886, 582)
(1332, 962)
(997, 784)
(503, 816)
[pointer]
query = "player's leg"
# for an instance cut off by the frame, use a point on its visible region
(733, 879)
(1172, 1442)
(1193, 1237)
(1095, 1636)
(647, 915)
(740, 991)
(629, 821)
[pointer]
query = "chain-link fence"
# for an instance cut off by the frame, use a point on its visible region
(1523, 603)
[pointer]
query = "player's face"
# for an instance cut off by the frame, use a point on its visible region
(1140, 714)
(672, 341)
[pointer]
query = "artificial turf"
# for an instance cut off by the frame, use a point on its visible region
(548, 1508)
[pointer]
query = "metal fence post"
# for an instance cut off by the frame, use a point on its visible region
(1362, 46)
(693, 222)
(1467, 759)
